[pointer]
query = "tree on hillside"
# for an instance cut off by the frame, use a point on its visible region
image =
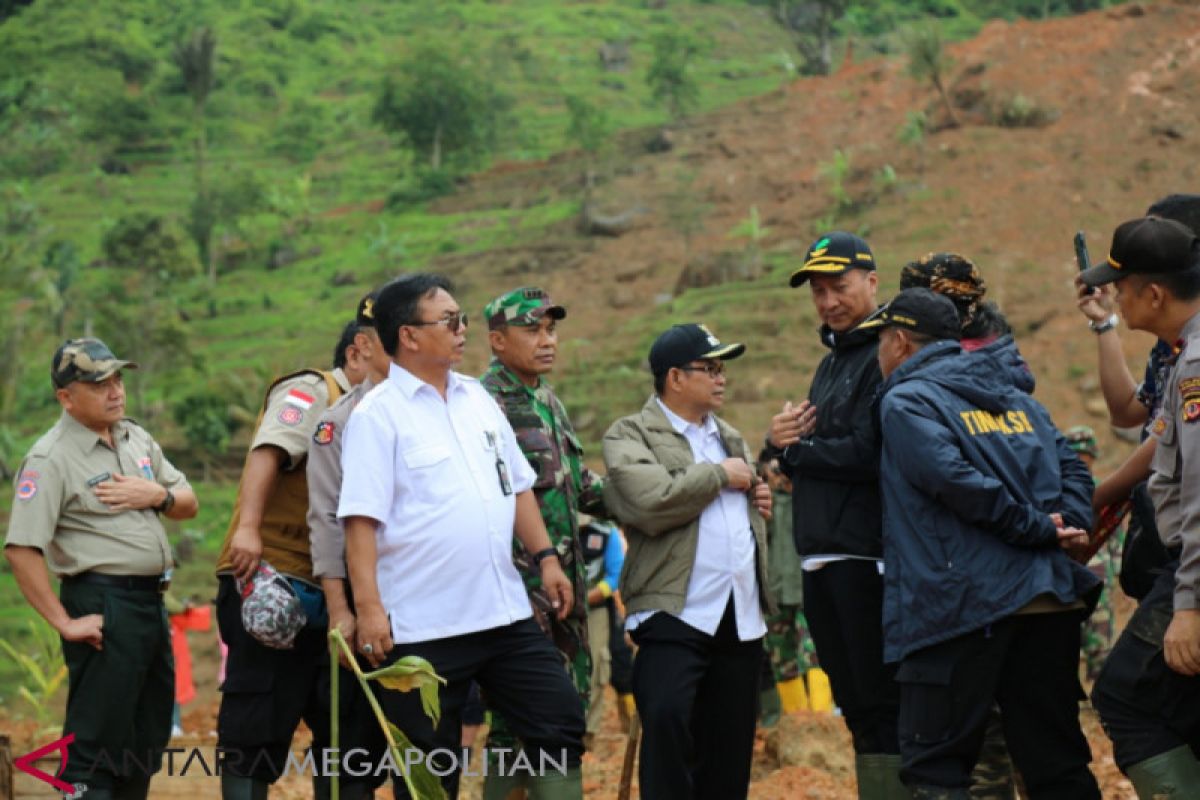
(195, 57)
(928, 60)
(133, 304)
(443, 108)
(670, 81)
(810, 24)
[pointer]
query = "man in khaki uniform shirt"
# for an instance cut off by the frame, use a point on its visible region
(88, 499)
(358, 726)
(268, 691)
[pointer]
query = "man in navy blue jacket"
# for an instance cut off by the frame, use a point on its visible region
(981, 497)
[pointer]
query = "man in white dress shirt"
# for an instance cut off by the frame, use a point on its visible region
(434, 488)
(694, 581)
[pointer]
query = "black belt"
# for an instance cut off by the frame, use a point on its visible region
(139, 583)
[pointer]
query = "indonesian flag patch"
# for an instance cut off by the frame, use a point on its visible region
(299, 399)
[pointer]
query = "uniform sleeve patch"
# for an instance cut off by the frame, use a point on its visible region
(299, 399)
(1191, 410)
(147, 467)
(324, 433)
(1189, 387)
(1159, 426)
(291, 415)
(26, 489)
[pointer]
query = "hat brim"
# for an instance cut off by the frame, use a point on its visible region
(110, 369)
(808, 270)
(876, 319)
(726, 352)
(1100, 275)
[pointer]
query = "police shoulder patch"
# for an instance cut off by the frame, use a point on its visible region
(1189, 387)
(291, 415)
(1191, 409)
(324, 433)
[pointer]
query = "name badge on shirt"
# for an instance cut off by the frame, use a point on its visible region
(501, 468)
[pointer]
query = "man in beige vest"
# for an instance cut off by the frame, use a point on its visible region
(267, 691)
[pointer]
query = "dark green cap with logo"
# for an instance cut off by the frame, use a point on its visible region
(88, 360)
(524, 306)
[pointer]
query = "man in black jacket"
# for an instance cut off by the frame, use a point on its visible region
(829, 446)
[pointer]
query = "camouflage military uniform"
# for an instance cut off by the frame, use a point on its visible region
(791, 648)
(564, 487)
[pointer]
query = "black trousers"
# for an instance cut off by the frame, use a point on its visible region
(1029, 665)
(119, 699)
(1146, 707)
(267, 692)
(697, 696)
(522, 676)
(843, 603)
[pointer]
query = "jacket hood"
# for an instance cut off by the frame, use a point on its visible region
(977, 377)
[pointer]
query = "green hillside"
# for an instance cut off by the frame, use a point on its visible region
(313, 201)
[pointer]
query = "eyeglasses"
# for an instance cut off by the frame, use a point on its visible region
(453, 323)
(715, 369)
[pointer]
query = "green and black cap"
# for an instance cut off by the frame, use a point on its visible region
(88, 360)
(833, 254)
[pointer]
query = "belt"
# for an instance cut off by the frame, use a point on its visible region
(137, 583)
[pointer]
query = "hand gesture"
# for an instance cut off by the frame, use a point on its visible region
(562, 594)
(88, 629)
(245, 550)
(761, 496)
(1181, 644)
(127, 493)
(374, 634)
(1096, 303)
(739, 472)
(792, 424)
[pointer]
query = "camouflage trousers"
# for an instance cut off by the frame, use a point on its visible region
(1097, 636)
(992, 778)
(791, 648)
(570, 637)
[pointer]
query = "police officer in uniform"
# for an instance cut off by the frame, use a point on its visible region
(267, 691)
(1148, 692)
(88, 500)
(358, 726)
(522, 332)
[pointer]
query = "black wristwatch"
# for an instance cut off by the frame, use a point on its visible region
(167, 503)
(542, 555)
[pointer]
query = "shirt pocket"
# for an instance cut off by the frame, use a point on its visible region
(428, 473)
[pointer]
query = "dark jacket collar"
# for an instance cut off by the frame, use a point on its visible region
(854, 337)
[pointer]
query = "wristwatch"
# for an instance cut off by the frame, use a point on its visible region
(166, 504)
(542, 555)
(1106, 325)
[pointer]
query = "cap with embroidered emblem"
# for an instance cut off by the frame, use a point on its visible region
(833, 254)
(682, 344)
(524, 306)
(1146, 246)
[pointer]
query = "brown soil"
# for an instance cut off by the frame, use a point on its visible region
(1119, 90)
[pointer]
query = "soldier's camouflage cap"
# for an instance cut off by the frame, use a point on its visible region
(524, 306)
(88, 360)
(1082, 439)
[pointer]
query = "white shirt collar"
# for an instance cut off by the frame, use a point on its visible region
(410, 384)
(681, 425)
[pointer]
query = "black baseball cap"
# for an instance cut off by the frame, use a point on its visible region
(921, 311)
(683, 344)
(365, 316)
(833, 254)
(1148, 245)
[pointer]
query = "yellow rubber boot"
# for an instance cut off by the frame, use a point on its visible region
(626, 708)
(794, 695)
(820, 695)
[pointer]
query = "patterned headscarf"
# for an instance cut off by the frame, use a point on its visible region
(951, 275)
